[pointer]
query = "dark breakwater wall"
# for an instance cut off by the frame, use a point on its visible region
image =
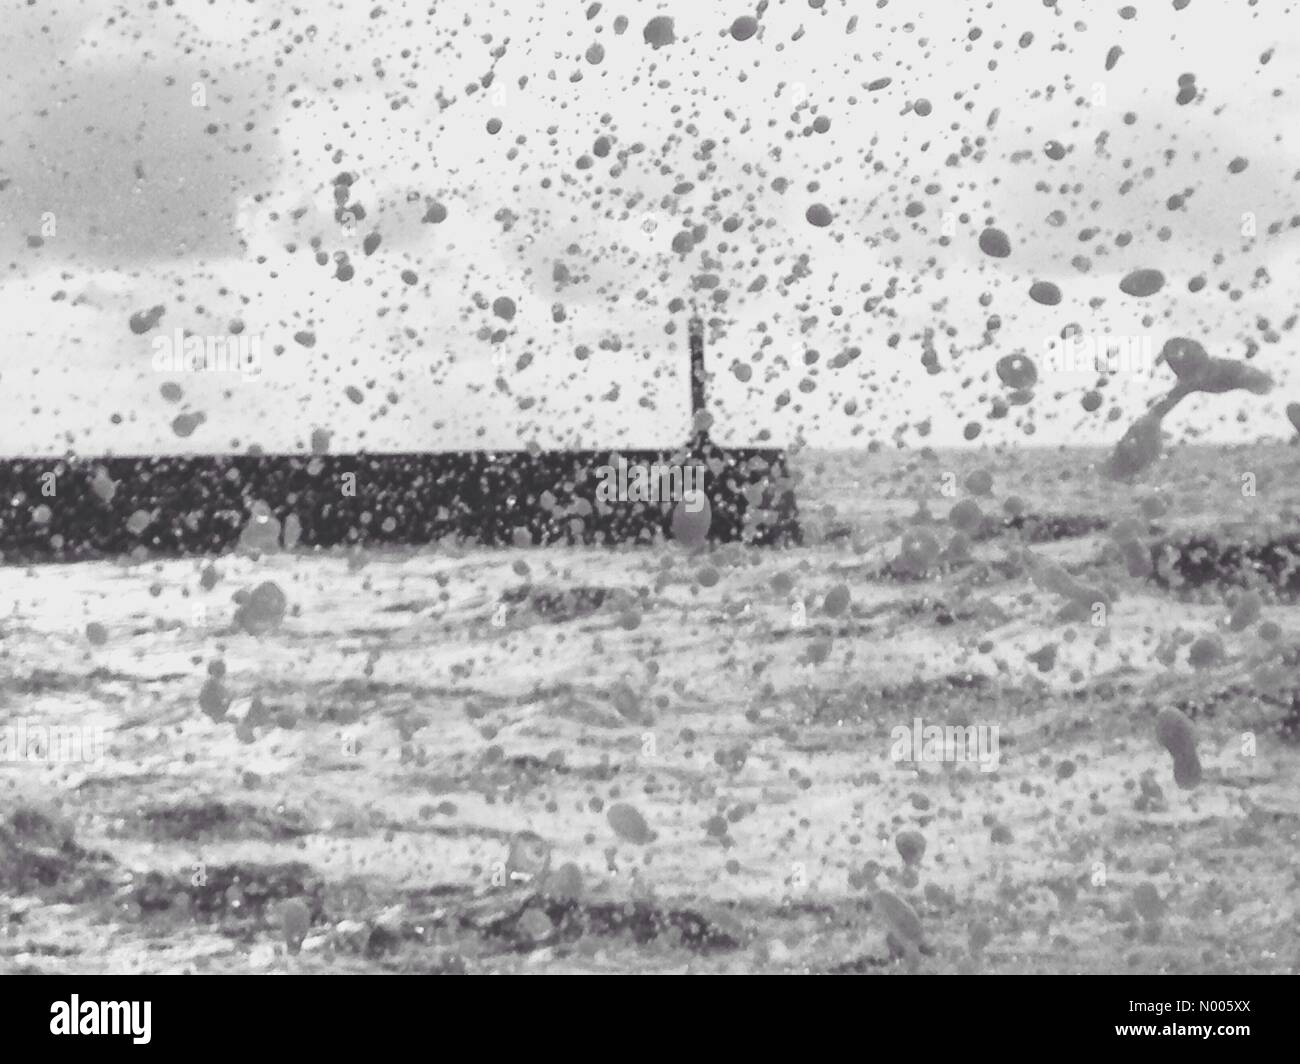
(202, 504)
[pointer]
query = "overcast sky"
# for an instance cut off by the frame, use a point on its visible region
(516, 284)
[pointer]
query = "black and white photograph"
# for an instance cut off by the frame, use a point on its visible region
(637, 487)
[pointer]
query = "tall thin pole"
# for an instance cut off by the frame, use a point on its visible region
(699, 400)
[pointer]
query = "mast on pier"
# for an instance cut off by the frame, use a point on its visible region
(699, 399)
